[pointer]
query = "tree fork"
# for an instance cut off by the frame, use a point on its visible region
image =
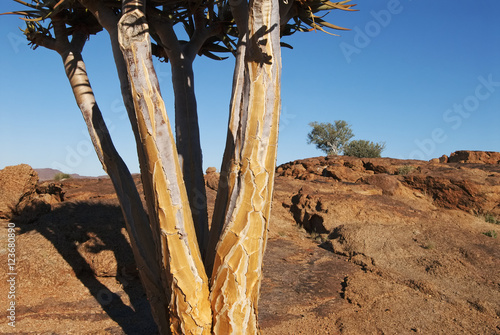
(187, 130)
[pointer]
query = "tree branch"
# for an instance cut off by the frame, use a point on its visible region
(287, 11)
(131, 5)
(239, 8)
(104, 15)
(62, 44)
(39, 39)
(78, 41)
(164, 29)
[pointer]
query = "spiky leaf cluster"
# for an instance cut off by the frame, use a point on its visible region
(40, 14)
(296, 16)
(302, 16)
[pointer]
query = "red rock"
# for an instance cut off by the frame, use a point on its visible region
(16, 182)
(307, 211)
(389, 184)
(342, 173)
(212, 178)
(211, 170)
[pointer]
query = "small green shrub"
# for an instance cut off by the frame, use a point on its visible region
(491, 233)
(364, 149)
(429, 245)
(60, 176)
(490, 218)
(405, 169)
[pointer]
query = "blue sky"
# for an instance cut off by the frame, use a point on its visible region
(421, 76)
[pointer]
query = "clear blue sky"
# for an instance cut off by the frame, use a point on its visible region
(422, 76)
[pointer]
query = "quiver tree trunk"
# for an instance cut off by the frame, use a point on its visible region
(177, 284)
(186, 280)
(243, 207)
(243, 203)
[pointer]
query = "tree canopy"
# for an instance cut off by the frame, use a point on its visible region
(335, 139)
(210, 25)
(330, 138)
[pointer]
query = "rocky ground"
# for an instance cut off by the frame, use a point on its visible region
(356, 246)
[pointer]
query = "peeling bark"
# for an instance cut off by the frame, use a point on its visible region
(186, 118)
(225, 184)
(190, 311)
(249, 164)
(240, 13)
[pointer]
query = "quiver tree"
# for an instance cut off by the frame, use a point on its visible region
(330, 138)
(197, 281)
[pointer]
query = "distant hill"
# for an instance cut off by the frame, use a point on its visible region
(49, 174)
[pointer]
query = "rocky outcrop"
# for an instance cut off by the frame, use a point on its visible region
(16, 182)
(308, 210)
(212, 178)
(39, 202)
(475, 157)
(470, 187)
(342, 168)
(21, 198)
(474, 189)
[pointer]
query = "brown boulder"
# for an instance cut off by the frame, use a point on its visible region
(443, 159)
(212, 178)
(312, 164)
(99, 257)
(16, 182)
(102, 258)
(387, 183)
(211, 169)
(298, 170)
(37, 203)
(449, 192)
(307, 210)
(379, 165)
(342, 173)
(354, 163)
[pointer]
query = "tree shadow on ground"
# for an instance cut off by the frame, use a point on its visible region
(96, 226)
